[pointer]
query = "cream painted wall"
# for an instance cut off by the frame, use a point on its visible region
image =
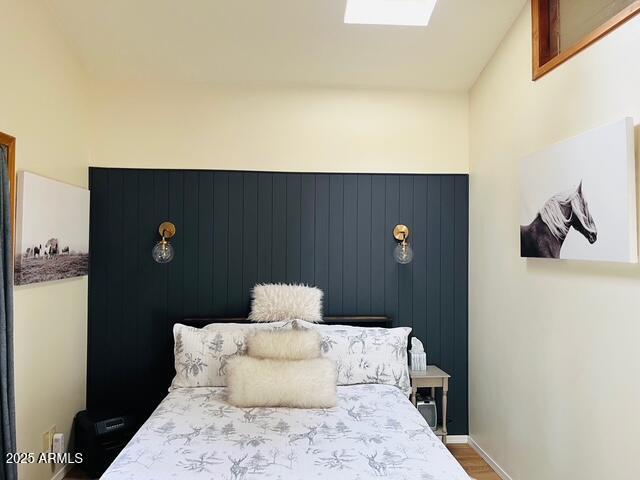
(554, 363)
(43, 104)
(555, 378)
(293, 129)
(47, 103)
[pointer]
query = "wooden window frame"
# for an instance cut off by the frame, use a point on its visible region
(10, 142)
(545, 35)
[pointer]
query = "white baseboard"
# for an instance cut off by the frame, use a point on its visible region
(60, 474)
(485, 456)
(457, 439)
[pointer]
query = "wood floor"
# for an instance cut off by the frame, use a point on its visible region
(473, 464)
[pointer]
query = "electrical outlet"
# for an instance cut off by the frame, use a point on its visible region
(47, 439)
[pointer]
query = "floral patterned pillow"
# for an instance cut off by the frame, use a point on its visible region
(201, 354)
(365, 355)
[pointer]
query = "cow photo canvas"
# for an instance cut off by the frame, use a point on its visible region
(52, 230)
(578, 198)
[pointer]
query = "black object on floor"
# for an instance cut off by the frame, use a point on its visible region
(100, 437)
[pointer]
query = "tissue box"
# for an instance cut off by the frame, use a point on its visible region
(418, 361)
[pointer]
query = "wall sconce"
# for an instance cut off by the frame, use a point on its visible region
(163, 250)
(403, 253)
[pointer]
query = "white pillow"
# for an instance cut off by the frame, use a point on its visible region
(365, 355)
(282, 383)
(284, 344)
(201, 354)
(280, 302)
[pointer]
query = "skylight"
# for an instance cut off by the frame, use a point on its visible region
(389, 12)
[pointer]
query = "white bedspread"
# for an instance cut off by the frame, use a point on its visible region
(373, 432)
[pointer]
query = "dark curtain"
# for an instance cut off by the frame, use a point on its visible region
(7, 397)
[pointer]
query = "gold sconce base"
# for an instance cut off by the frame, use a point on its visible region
(167, 229)
(401, 232)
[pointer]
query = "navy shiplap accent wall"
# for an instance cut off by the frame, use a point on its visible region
(235, 229)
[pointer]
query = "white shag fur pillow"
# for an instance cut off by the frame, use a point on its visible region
(284, 344)
(280, 302)
(256, 382)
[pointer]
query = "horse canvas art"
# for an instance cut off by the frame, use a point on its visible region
(544, 236)
(52, 230)
(579, 198)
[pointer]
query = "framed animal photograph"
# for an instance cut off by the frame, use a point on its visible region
(578, 198)
(52, 230)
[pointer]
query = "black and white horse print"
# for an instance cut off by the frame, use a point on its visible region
(51, 248)
(545, 235)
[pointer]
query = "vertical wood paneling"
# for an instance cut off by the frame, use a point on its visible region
(322, 235)
(418, 240)
(116, 327)
(238, 228)
(205, 242)
(221, 257)
(279, 234)
(265, 226)
(292, 256)
(363, 241)
(447, 254)
(189, 236)
(336, 243)
(161, 335)
(350, 245)
(98, 371)
(235, 237)
(308, 229)
(379, 235)
(130, 269)
(405, 272)
(175, 288)
(460, 419)
(148, 297)
(392, 215)
(249, 239)
(447, 319)
(433, 270)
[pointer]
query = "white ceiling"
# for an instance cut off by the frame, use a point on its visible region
(282, 42)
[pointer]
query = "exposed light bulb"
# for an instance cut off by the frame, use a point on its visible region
(403, 253)
(162, 252)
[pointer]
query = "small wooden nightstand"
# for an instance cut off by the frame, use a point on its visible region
(432, 378)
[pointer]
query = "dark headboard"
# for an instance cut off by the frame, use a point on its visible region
(236, 229)
(357, 321)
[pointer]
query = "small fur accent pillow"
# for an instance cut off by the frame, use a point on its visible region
(280, 302)
(256, 382)
(284, 344)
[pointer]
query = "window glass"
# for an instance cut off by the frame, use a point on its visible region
(578, 18)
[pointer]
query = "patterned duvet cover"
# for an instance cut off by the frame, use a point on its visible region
(373, 432)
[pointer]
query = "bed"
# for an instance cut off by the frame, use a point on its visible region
(374, 431)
